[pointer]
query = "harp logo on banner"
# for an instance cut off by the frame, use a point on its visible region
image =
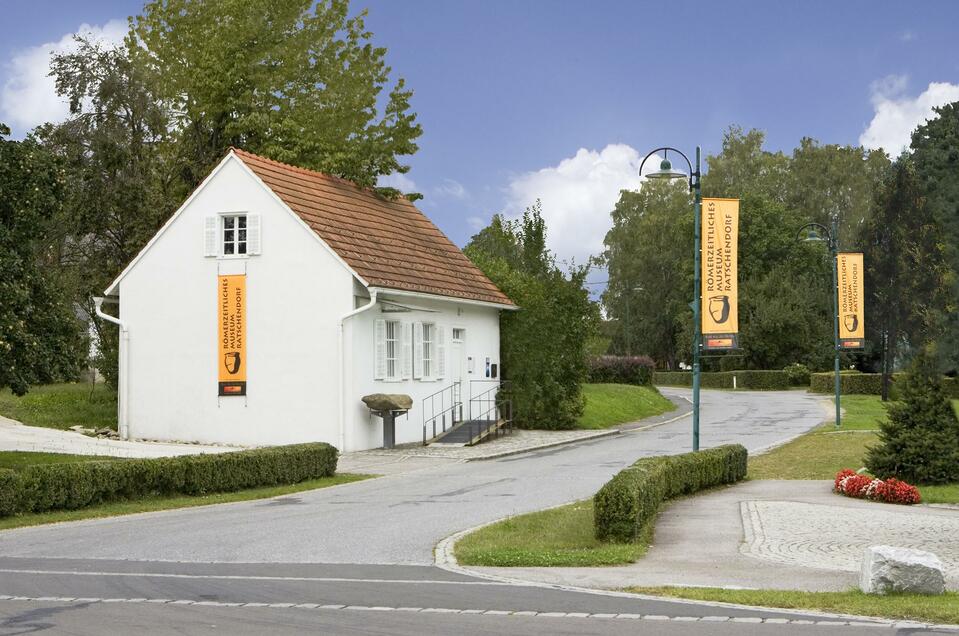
(852, 331)
(231, 331)
(720, 282)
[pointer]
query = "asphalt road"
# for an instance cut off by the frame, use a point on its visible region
(357, 559)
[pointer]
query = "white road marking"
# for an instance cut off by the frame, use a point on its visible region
(489, 612)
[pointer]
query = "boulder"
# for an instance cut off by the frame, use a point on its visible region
(388, 402)
(889, 569)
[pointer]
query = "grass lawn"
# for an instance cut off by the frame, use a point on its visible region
(62, 406)
(612, 404)
(550, 538)
(18, 460)
(151, 504)
(934, 609)
(823, 452)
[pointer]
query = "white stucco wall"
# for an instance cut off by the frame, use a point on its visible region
(296, 292)
(481, 341)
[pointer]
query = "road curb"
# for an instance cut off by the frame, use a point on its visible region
(445, 559)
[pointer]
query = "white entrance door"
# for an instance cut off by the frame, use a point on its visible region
(458, 370)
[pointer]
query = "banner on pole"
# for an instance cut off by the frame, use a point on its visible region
(852, 331)
(231, 332)
(720, 282)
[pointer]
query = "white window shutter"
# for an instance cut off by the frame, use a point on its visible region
(253, 234)
(417, 350)
(406, 351)
(379, 348)
(440, 336)
(210, 227)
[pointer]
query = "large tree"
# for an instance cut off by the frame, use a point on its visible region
(117, 189)
(299, 81)
(649, 258)
(40, 336)
(935, 151)
(544, 344)
(905, 269)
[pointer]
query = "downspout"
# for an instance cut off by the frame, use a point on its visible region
(123, 408)
(341, 362)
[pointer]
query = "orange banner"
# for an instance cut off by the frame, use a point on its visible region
(720, 278)
(231, 331)
(852, 331)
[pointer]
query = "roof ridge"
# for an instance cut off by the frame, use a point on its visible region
(325, 175)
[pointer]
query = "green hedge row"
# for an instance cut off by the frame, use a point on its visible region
(758, 380)
(70, 486)
(867, 384)
(630, 500)
(620, 370)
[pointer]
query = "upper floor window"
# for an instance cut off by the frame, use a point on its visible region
(234, 234)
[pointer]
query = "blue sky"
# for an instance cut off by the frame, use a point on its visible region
(557, 99)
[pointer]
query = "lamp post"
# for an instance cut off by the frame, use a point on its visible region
(819, 233)
(667, 172)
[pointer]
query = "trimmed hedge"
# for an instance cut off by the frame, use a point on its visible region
(849, 383)
(621, 370)
(757, 380)
(70, 486)
(631, 499)
(868, 384)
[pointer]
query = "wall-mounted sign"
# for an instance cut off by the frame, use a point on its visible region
(231, 333)
(720, 282)
(852, 331)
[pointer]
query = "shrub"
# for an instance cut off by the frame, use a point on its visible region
(849, 383)
(757, 380)
(630, 500)
(70, 486)
(621, 370)
(919, 441)
(850, 483)
(797, 374)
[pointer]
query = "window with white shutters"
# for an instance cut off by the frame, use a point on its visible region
(429, 350)
(440, 347)
(392, 349)
(379, 349)
(407, 350)
(232, 235)
(388, 346)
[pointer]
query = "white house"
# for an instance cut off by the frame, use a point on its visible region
(276, 297)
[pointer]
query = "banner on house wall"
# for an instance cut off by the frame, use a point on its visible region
(720, 282)
(231, 332)
(852, 332)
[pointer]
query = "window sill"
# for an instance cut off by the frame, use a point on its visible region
(233, 257)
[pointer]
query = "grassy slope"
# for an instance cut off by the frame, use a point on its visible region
(936, 609)
(549, 538)
(612, 404)
(821, 453)
(151, 504)
(62, 406)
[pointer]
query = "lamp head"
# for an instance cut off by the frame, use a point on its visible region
(666, 172)
(813, 235)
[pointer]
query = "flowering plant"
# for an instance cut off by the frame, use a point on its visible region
(850, 483)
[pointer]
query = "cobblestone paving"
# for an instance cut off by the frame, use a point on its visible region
(831, 538)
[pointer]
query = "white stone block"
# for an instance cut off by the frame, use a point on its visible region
(890, 569)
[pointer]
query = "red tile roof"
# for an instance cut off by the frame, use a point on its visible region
(388, 242)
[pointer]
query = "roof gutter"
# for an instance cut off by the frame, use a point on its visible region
(340, 363)
(123, 408)
(453, 299)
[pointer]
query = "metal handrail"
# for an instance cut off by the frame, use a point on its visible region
(455, 391)
(499, 408)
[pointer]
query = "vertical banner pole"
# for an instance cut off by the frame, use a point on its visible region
(835, 319)
(698, 299)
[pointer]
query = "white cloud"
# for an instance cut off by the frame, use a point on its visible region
(450, 188)
(897, 114)
(399, 181)
(907, 36)
(476, 223)
(28, 97)
(578, 194)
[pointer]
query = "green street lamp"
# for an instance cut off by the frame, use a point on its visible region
(667, 172)
(818, 233)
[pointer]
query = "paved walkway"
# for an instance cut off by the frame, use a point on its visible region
(769, 534)
(15, 436)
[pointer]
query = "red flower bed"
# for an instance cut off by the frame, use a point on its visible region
(850, 483)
